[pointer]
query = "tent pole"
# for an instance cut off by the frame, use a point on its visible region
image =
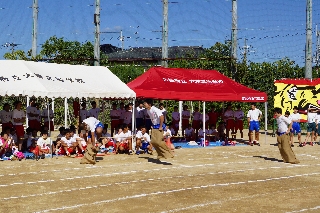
(265, 120)
(27, 120)
(133, 123)
(65, 112)
(204, 123)
(52, 107)
(180, 121)
(49, 129)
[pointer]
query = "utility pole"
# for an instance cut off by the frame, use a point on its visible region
(97, 33)
(308, 56)
(164, 62)
(35, 10)
(234, 33)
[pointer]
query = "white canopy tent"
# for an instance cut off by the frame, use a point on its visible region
(40, 79)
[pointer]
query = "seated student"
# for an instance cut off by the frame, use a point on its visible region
(189, 133)
(143, 141)
(124, 140)
(167, 138)
(4, 146)
(13, 135)
(43, 144)
(57, 143)
(221, 131)
(66, 143)
(213, 133)
(32, 140)
(105, 131)
(7, 130)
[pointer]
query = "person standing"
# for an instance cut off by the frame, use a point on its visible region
(19, 118)
(175, 119)
(94, 111)
(84, 113)
(139, 116)
(311, 126)
(213, 117)
(295, 117)
(185, 118)
(254, 116)
(239, 115)
(228, 116)
(115, 119)
(283, 137)
(6, 116)
(48, 118)
(158, 126)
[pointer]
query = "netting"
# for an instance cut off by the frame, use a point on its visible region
(267, 30)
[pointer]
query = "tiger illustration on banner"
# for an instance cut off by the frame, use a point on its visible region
(302, 93)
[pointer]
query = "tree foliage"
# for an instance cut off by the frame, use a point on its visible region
(259, 76)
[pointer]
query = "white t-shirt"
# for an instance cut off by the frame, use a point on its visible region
(196, 116)
(122, 136)
(311, 117)
(185, 114)
(115, 113)
(45, 114)
(84, 114)
(32, 110)
(145, 135)
(239, 114)
(164, 113)
(295, 116)
(68, 142)
(283, 123)
(229, 114)
(139, 112)
(18, 114)
(176, 116)
(43, 142)
(127, 117)
(92, 123)
(188, 131)
(254, 114)
(5, 116)
(94, 112)
(318, 118)
(154, 114)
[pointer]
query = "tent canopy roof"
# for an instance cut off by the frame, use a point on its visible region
(51, 80)
(192, 85)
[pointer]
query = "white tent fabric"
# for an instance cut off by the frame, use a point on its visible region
(51, 80)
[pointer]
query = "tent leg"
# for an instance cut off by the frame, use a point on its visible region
(28, 103)
(180, 121)
(133, 123)
(265, 120)
(65, 113)
(204, 123)
(52, 107)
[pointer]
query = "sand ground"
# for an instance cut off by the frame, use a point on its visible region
(217, 179)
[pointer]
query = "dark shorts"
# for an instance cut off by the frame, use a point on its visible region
(311, 127)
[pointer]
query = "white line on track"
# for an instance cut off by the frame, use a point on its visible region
(156, 193)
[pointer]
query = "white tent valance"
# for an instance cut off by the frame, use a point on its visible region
(51, 80)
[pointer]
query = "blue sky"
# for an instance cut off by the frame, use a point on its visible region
(273, 29)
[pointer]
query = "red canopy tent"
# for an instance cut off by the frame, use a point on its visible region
(192, 85)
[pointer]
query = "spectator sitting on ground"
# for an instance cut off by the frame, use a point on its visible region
(189, 133)
(124, 140)
(143, 140)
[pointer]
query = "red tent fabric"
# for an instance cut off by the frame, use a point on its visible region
(192, 85)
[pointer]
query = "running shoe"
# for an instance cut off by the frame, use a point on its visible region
(300, 145)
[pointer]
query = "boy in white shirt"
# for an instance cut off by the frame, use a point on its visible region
(175, 119)
(43, 145)
(94, 111)
(228, 116)
(295, 118)
(254, 116)
(6, 116)
(124, 140)
(283, 137)
(19, 118)
(311, 125)
(239, 115)
(143, 141)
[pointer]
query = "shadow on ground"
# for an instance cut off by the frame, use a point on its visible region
(156, 161)
(270, 159)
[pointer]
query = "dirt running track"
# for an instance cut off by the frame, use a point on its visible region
(219, 179)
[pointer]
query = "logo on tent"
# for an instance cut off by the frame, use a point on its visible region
(174, 80)
(253, 98)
